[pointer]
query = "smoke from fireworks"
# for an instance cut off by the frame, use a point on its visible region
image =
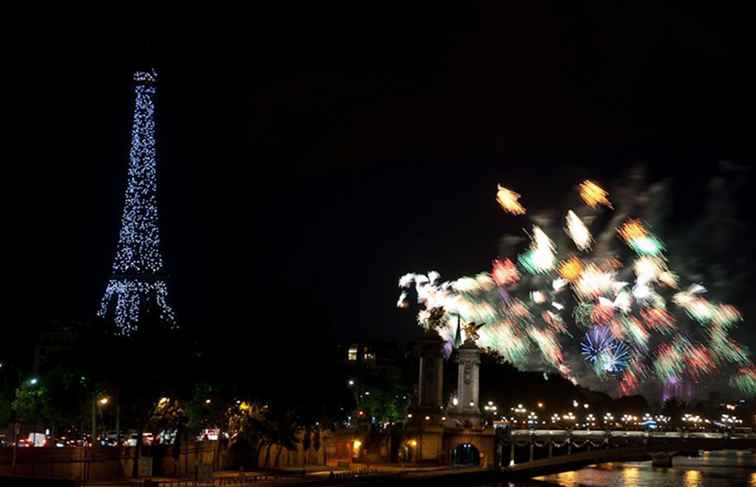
(638, 322)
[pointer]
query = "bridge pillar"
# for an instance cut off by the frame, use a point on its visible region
(530, 454)
(551, 448)
(512, 452)
(467, 409)
(431, 377)
(425, 428)
(569, 446)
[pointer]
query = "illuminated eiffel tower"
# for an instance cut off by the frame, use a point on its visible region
(137, 284)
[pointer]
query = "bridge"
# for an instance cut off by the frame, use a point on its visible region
(553, 451)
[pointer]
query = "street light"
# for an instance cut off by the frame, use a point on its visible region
(102, 402)
(33, 381)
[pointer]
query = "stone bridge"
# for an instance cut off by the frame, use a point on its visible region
(582, 448)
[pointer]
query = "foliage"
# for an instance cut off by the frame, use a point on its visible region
(204, 409)
(248, 421)
(32, 403)
(70, 396)
(167, 414)
(384, 404)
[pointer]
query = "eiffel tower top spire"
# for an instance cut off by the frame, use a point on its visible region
(149, 76)
(138, 269)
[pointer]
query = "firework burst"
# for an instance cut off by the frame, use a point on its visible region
(637, 319)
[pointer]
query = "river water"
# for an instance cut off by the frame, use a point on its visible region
(711, 469)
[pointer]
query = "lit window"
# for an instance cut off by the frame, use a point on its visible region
(352, 353)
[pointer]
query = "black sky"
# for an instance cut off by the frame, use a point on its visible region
(310, 156)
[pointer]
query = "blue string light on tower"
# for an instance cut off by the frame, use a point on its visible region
(138, 280)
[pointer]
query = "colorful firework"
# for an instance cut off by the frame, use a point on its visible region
(606, 354)
(530, 310)
(540, 258)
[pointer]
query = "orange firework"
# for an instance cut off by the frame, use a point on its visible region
(570, 269)
(632, 229)
(508, 201)
(593, 194)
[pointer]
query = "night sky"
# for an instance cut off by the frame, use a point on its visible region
(308, 158)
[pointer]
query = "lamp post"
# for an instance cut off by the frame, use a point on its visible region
(94, 419)
(102, 401)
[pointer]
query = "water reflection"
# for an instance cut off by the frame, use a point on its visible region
(715, 469)
(692, 478)
(567, 479)
(630, 476)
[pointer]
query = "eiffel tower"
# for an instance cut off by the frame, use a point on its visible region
(137, 283)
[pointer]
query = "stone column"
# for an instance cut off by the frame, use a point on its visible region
(431, 373)
(468, 379)
(424, 427)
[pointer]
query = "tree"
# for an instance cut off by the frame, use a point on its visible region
(385, 404)
(285, 428)
(168, 415)
(142, 367)
(204, 410)
(70, 396)
(248, 429)
(32, 403)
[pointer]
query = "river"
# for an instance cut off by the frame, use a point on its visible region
(711, 469)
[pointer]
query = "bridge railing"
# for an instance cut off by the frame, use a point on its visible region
(635, 434)
(530, 445)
